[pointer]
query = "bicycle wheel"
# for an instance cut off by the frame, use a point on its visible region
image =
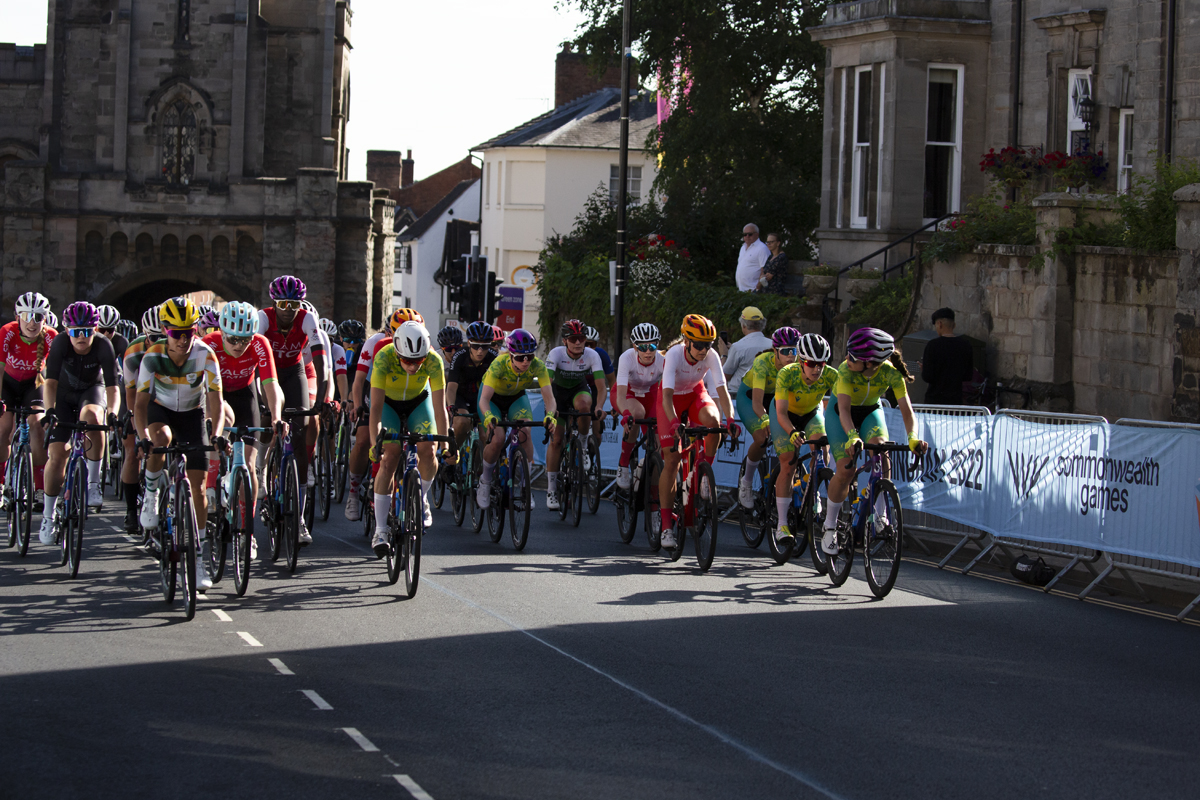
(625, 501)
(518, 506)
(780, 554)
(189, 543)
(458, 497)
(271, 503)
(495, 511)
(883, 541)
(395, 528)
(216, 533)
(241, 528)
(168, 558)
(815, 500)
(841, 562)
(576, 484)
(290, 512)
(679, 528)
(310, 506)
(76, 518)
(23, 500)
(368, 506)
(437, 492)
(477, 513)
(341, 461)
(324, 476)
(704, 532)
(652, 515)
(565, 466)
(413, 531)
(594, 477)
(11, 493)
(747, 519)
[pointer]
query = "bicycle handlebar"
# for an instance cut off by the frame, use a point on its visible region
(79, 426)
(517, 423)
(182, 449)
(293, 413)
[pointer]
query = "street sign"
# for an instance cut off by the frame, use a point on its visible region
(511, 306)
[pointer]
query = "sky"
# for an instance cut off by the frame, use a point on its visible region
(422, 79)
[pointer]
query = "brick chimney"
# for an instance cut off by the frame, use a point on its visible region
(384, 168)
(406, 170)
(573, 78)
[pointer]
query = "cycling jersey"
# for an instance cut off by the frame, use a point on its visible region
(467, 375)
(288, 348)
(120, 343)
(570, 372)
(76, 372)
(179, 388)
(605, 362)
(639, 377)
(866, 392)
(239, 372)
(373, 345)
(506, 381)
(20, 356)
(133, 360)
(682, 377)
(803, 397)
(761, 374)
(337, 358)
(389, 374)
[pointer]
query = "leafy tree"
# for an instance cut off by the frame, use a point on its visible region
(743, 143)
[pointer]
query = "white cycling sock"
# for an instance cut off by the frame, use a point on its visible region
(748, 476)
(383, 503)
(303, 496)
(152, 480)
(881, 509)
(355, 482)
(48, 507)
(93, 471)
(551, 481)
(782, 504)
(425, 486)
(831, 514)
(487, 472)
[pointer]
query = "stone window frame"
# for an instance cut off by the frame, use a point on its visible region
(956, 171)
(1125, 154)
(860, 152)
(1074, 121)
(172, 93)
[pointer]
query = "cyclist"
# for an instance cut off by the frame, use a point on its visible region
(178, 385)
(24, 345)
(450, 342)
(337, 357)
(152, 333)
(291, 331)
(52, 321)
(246, 362)
(872, 366)
(797, 415)
(465, 375)
(636, 394)
(81, 386)
(358, 461)
(502, 395)
(610, 373)
(577, 380)
(408, 384)
(209, 320)
(755, 394)
(109, 325)
(353, 334)
(498, 337)
(683, 392)
(128, 329)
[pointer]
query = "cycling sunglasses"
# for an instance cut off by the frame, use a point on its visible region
(786, 351)
(413, 362)
(522, 359)
(700, 345)
(646, 348)
(31, 316)
(813, 363)
(237, 341)
(185, 333)
(478, 346)
(107, 331)
(860, 361)
(81, 333)
(576, 339)
(287, 305)
(154, 337)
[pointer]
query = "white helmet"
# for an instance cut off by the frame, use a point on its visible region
(329, 326)
(644, 333)
(109, 317)
(150, 321)
(813, 347)
(310, 308)
(592, 334)
(411, 340)
(33, 303)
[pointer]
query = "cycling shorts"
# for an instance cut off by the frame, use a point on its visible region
(564, 396)
(467, 398)
(244, 403)
(294, 385)
(68, 404)
(690, 405)
(510, 406)
(812, 423)
(651, 402)
(187, 427)
(868, 420)
(16, 394)
(745, 409)
(411, 416)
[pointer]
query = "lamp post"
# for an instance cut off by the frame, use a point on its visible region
(622, 182)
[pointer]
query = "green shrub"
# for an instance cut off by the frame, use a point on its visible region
(1148, 209)
(988, 219)
(885, 306)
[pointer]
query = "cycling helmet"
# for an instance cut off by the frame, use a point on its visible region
(497, 334)
(411, 340)
(210, 319)
(128, 329)
(178, 313)
(310, 308)
(870, 344)
(329, 326)
(109, 316)
(204, 308)
(813, 347)
(288, 287)
(150, 321)
(698, 328)
(574, 327)
(645, 333)
(592, 334)
(33, 303)
(81, 315)
(52, 319)
(785, 337)
(450, 336)
(521, 342)
(479, 331)
(403, 315)
(352, 330)
(238, 319)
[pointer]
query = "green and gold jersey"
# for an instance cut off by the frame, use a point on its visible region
(179, 387)
(864, 392)
(388, 373)
(761, 374)
(506, 381)
(803, 397)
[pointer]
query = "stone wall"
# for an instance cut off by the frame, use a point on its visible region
(22, 72)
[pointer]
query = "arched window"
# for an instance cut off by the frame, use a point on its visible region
(179, 143)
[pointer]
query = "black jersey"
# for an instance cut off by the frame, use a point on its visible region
(80, 371)
(467, 374)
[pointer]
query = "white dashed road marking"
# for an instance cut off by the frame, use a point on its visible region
(221, 615)
(360, 740)
(279, 665)
(250, 640)
(413, 787)
(317, 700)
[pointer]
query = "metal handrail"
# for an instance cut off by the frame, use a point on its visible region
(899, 241)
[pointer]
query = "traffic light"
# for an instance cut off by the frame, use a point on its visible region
(457, 274)
(491, 298)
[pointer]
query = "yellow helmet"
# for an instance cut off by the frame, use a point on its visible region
(403, 315)
(698, 328)
(179, 313)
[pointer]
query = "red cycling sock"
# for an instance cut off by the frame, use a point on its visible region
(668, 519)
(39, 477)
(626, 450)
(214, 469)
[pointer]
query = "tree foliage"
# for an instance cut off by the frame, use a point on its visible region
(743, 143)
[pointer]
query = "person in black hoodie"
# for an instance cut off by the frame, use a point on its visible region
(947, 363)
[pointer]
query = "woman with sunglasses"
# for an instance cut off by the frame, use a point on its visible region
(635, 393)
(132, 361)
(24, 345)
(577, 381)
(686, 366)
(797, 415)
(502, 396)
(872, 366)
(81, 386)
(246, 362)
(465, 376)
(755, 394)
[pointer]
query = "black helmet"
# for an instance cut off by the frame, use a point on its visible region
(352, 330)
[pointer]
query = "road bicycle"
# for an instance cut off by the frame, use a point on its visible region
(342, 442)
(695, 504)
(281, 504)
(18, 483)
(465, 476)
(579, 467)
(511, 488)
(860, 525)
(177, 535)
(231, 522)
(321, 466)
(110, 467)
(642, 494)
(806, 514)
(759, 520)
(405, 522)
(71, 509)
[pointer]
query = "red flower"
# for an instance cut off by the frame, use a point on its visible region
(641, 257)
(670, 242)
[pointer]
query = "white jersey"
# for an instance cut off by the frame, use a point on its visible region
(683, 378)
(327, 362)
(639, 377)
(571, 372)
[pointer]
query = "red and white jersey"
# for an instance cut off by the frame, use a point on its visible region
(639, 377)
(238, 372)
(288, 348)
(373, 345)
(20, 356)
(337, 355)
(683, 378)
(328, 347)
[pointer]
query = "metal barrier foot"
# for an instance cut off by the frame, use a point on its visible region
(982, 555)
(1099, 579)
(1182, 615)
(1058, 575)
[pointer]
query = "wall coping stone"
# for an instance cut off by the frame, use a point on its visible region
(1097, 250)
(1025, 250)
(1069, 200)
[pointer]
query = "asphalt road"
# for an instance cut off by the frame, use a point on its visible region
(581, 667)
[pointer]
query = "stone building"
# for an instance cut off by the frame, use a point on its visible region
(151, 148)
(916, 91)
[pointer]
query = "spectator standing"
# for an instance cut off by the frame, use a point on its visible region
(776, 269)
(948, 361)
(743, 352)
(751, 259)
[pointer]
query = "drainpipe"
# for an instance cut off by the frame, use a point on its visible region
(1169, 127)
(1018, 29)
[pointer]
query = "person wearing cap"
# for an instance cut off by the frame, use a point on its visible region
(743, 352)
(751, 258)
(948, 362)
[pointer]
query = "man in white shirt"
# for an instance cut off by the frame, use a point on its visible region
(743, 352)
(751, 259)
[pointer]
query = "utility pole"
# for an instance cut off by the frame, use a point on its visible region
(623, 181)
